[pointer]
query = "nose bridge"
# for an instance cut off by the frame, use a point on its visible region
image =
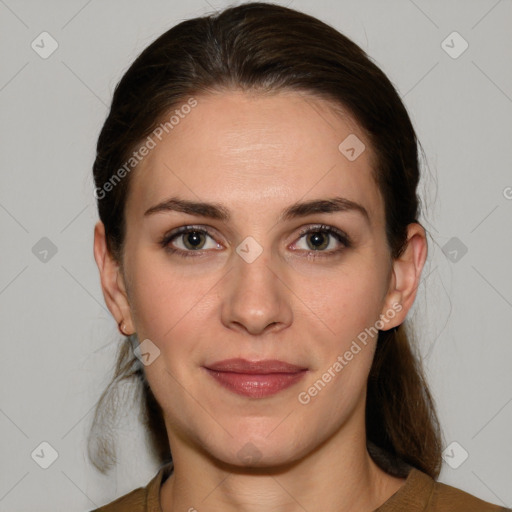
(255, 298)
(254, 267)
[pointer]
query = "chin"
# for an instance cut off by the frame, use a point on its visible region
(257, 452)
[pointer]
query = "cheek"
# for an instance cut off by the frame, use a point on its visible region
(171, 310)
(160, 297)
(348, 304)
(344, 303)
(345, 354)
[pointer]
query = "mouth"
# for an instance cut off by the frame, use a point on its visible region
(255, 379)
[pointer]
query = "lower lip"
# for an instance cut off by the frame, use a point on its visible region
(256, 385)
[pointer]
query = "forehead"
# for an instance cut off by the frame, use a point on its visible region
(256, 150)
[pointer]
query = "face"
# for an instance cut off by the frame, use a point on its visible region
(258, 277)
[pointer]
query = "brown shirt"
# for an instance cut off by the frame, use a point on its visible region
(420, 493)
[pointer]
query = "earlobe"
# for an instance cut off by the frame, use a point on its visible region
(406, 274)
(112, 282)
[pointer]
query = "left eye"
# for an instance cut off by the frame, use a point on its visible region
(323, 239)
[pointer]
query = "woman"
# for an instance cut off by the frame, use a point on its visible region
(259, 247)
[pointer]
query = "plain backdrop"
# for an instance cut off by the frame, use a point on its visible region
(58, 339)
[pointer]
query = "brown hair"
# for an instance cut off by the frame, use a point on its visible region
(268, 48)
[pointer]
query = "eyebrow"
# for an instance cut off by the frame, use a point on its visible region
(296, 210)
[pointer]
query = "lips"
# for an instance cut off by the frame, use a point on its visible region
(255, 379)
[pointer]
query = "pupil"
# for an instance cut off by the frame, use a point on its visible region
(318, 240)
(194, 238)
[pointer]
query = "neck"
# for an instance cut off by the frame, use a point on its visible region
(339, 476)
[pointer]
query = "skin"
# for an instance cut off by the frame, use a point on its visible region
(257, 155)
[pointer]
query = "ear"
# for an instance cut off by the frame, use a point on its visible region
(112, 281)
(405, 276)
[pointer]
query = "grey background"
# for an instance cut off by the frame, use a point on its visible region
(58, 339)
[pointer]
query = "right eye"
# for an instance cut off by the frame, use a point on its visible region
(190, 239)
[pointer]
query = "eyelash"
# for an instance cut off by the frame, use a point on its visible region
(320, 228)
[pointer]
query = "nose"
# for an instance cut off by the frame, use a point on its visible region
(255, 297)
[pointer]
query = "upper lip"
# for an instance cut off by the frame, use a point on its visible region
(254, 367)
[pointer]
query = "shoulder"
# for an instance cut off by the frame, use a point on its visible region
(421, 493)
(134, 501)
(142, 499)
(451, 499)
